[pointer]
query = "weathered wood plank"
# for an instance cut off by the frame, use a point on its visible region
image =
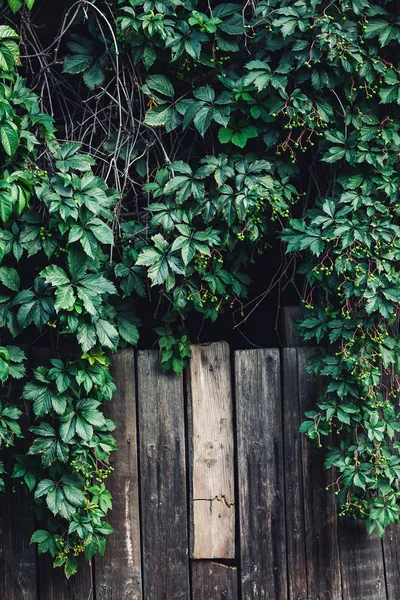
(17, 556)
(289, 315)
(119, 573)
(212, 470)
(163, 481)
(391, 551)
(213, 581)
(296, 541)
(260, 472)
(54, 586)
(361, 561)
(322, 548)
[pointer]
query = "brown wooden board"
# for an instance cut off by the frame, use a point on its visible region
(213, 581)
(361, 561)
(17, 556)
(165, 543)
(289, 315)
(323, 563)
(391, 551)
(119, 573)
(212, 460)
(296, 541)
(54, 586)
(260, 472)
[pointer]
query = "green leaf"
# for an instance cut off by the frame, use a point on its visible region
(55, 275)
(158, 116)
(83, 429)
(225, 135)
(86, 336)
(5, 207)
(77, 63)
(7, 33)
(107, 334)
(10, 278)
(203, 118)
(161, 84)
(15, 5)
(65, 297)
(9, 137)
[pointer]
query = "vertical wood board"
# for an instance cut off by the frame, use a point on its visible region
(296, 543)
(212, 460)
(213, 581)
(118, 574)
(361, 560)
(391, 552)
(17, 556)
(260, 472)
(289, 315)
(322, 548)
(165, 544)
(53, 584)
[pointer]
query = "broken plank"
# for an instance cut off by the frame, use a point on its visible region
(296, 543)
(260, 472)
(320, 511)
(212, 458)
(211, 580)
(119, 573)
(165, 544)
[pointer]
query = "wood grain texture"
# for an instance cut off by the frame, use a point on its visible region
(54, 586)
(361, 559)
(212, 460)
(391, 551)
(119, 573)
(322, 548)
(17, 556)
(165, 544)
(289, 315)
(296, 540)
(260, 472)
(213, 581)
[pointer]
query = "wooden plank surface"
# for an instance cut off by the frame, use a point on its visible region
(165, 543)
(361, 559)
(289, 315)
(213, 581)
(119, 574)
(260, 472)
(391, 551)
(54, 586)
(17, 557)
(212, 469)
(323, 563)
(296, 541)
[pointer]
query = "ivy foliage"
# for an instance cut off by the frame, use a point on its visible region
(55, 238)
(274, 121)
(274, 83)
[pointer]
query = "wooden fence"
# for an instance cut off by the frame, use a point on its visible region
(216, 495)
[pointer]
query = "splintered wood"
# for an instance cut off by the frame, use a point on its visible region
(212, 458)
